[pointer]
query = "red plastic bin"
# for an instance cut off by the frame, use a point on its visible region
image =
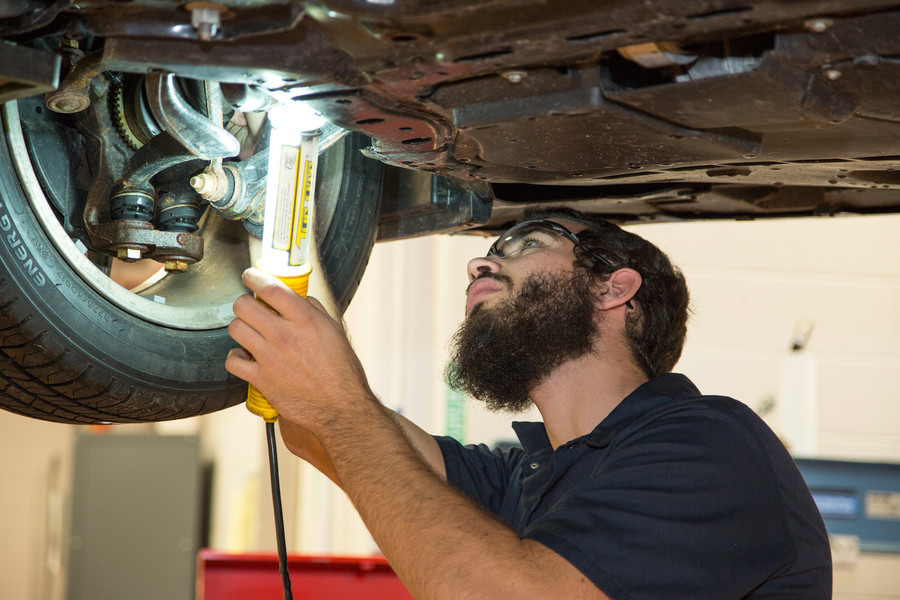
(222, 576)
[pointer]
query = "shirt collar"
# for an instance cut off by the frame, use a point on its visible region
(646, 397)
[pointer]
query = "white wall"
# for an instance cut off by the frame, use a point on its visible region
(753, 281)
(35, 463)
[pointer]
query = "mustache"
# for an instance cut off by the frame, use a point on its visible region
(504, 279)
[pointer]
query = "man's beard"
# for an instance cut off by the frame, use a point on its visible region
(500, 353)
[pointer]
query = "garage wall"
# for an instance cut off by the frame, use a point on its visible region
(35, 468)
(753, 282)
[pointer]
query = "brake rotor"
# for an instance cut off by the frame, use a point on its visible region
(131, 113)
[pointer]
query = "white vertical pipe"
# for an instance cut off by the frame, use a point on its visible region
(797, 409)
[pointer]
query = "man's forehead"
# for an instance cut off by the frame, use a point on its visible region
(572, 225)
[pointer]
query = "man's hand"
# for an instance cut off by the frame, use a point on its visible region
(297, 356)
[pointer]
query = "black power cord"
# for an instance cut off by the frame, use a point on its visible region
(279, 514)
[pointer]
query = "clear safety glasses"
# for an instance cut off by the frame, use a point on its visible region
(536, 234)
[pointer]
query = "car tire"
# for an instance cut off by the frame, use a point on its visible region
(70, 352)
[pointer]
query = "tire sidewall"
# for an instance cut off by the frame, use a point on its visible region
(96, 329)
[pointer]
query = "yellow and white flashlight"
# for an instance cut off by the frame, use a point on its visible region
(287, 235)
(288, 215)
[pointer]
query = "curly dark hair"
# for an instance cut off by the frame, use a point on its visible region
(657, 328)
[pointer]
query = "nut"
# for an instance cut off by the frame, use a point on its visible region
(212, 185)
(129, 254)
(176, 266)
(206, 18)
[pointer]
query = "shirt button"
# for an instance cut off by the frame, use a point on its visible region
(534, 465)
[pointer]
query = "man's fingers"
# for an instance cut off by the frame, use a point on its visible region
(240, 354)
(320, 307)
(240, 363)
(315, 302)
(247, 336)
(300, 352)
(272, 291)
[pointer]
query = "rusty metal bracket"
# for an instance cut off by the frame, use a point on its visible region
(176, 247)
(74, 93)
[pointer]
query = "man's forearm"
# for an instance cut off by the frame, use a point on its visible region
(304, 444)
(441, 544)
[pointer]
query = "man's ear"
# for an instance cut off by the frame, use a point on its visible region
(621, 288)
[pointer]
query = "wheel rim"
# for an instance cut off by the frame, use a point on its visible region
(198, 300)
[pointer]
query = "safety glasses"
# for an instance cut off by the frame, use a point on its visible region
(536, 234)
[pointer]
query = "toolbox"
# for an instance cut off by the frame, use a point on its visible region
(223, 576)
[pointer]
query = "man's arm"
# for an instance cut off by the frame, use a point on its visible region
(441, 544)
(304, 444)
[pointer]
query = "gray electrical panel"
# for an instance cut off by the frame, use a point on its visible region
(136, 517)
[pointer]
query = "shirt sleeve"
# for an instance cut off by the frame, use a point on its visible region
(477, 471)
(686, 507)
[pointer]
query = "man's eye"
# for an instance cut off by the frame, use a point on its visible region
(531, 242)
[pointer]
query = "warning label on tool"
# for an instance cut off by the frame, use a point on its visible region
(304, 200)
(298, 253)
(288, 180)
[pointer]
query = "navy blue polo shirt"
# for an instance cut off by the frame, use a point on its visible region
(673, 495)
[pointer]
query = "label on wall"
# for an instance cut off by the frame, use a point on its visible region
(883, 505)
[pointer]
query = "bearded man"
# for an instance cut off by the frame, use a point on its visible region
(634, 485)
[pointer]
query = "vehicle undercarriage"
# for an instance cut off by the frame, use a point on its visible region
(136, 130)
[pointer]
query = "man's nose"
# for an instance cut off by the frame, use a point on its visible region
(481, 265)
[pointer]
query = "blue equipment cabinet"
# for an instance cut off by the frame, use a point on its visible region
(857, 498)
